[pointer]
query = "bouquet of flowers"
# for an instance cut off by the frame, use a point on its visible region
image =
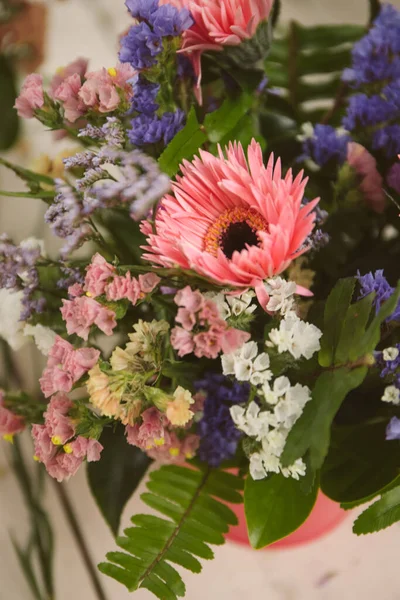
(233, 190)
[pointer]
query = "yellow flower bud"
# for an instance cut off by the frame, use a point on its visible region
(67, 449)
(36, 458)
(56, 440)
(8, 437)
(159, 441)
(112, 71)
(174, 451)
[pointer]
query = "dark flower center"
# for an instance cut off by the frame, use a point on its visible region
(236, 237)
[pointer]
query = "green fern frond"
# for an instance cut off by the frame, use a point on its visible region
(196, 518)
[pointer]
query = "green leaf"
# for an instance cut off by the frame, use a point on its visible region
(350, 346)
(25, 174)
(323, 36)
(360, 463)
(313, 429)
(9, 122)
(184, 145)
(379, 515)
(220, 122)
(355, 503)
(114, 478)
(275, 507)
(336, 309)
(189, 498)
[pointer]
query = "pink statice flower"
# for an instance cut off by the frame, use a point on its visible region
(101, 90)
(232, 219)
(203, 331)
(67, 93)
(98, 274)
(65, 366)
(371, 182)
(151, 432)
(77, 67)
(10, 424)
(75, 290)
(123, 286)
(175, 450)
(31, 96)
(63, 461)
(148, 282)
(81, 313)
(219, 23)
(59, 426)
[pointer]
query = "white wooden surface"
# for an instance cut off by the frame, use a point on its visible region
(340, 566)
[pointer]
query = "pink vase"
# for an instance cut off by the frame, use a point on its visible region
(325, 516)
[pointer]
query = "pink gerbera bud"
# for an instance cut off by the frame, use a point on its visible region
(253, 222)
(98, 274)
(31, 96)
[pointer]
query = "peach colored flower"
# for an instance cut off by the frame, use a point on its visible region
(371, 182)
(178, 410)
(101, 394)
(232, 219)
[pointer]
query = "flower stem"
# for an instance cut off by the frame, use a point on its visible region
(79, 539)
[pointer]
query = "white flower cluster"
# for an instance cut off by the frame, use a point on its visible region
(295, 336)
(391, 394)
(280, 294)
(233, 306)
(247, 365)
(271, 427)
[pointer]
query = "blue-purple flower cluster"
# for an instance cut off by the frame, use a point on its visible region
(218, 435)
(376, 65)
(19, 272)
(377, 283)
(326, 146)
(141, 47)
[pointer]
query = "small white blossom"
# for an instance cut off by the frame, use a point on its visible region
(44, 337)
(10, 312)
(233, 306)
(251, 421)
(280, 295)
(296, 470)
(280, 387)
(257, 469)
(247, 365)
(296, 336)
(390, 354)
(307, 132)
(391, 394)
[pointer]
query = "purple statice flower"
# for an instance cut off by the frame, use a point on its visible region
(219, 436)
(142, 10)
(387, 139)
(153, 129)
(392, 93)
(144, 96)
(393, 429)
(111, 133)
(326, 145)
(318, 239)
(375, 57)
(140, 47)
(72, 275)
(18, 271)
(377, 282)
(366, 110)
(393, 177)
(169, 21)
(185, 68)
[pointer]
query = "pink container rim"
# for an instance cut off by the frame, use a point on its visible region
(325, 516)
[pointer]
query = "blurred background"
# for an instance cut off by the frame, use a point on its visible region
(338, 566)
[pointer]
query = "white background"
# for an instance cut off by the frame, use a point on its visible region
(340, 566)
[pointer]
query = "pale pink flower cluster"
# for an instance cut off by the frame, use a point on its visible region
(31, 96)
(126, 286)
(65, 366)
(10, 424)
(203, 331)
(56, 445)
(82, 312)
(160, 443)
(98, 274)
(78, 91)
(371, 182)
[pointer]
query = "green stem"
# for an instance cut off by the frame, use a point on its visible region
(79, 539)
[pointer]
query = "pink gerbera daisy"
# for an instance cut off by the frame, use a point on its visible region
(231, 219)
(219, 23)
